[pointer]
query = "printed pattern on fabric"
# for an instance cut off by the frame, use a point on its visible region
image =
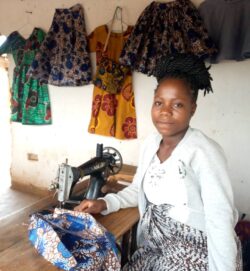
(12, 45)
(73, 240)
(64, 58)
(30, 103)
(162, 29)
(169, 245)
(112, 114)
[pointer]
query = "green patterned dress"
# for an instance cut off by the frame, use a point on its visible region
(30, 103)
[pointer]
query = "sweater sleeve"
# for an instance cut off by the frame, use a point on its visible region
(220, 214)
(128, 197)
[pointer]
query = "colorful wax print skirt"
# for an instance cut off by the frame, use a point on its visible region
(162, 29)
(170, 245)
(63, 59)
(73, 241)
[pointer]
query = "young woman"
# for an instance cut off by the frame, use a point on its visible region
(181, 186)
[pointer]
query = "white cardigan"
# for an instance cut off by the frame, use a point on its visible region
(207, 202)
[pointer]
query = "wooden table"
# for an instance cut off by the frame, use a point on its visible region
(17, 253)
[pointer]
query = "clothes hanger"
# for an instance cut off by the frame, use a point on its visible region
(117, 16)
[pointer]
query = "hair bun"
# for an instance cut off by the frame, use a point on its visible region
(185, 66)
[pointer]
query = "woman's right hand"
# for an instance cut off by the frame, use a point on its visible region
(91, 206)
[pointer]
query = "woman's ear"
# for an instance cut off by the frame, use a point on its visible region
(193, 109)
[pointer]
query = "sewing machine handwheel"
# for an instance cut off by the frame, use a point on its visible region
(116, 163)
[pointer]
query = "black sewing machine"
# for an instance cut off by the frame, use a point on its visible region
(108, 161)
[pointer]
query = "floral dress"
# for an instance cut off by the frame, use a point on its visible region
(30, 102)
(112, 114)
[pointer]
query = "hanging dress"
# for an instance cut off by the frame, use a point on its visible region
(112, 114)
(228, 21)
(64, 57)
(162, 29)
(30, 102)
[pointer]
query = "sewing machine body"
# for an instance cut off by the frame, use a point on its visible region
(108, 161)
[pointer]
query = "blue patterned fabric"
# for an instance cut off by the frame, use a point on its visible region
(73, 240)
(64, 59)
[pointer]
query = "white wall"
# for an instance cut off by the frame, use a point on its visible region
(5, 141)
(222, 115)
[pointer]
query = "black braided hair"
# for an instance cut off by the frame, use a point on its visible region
(187, 67)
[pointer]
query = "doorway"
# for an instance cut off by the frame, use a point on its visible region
(5, 129)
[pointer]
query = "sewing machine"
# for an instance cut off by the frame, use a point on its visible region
(108, 161)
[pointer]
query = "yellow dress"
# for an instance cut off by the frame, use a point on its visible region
(112, 114)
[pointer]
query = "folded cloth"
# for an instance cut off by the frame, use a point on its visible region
(73, 240)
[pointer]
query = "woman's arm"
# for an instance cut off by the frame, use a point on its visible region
(220, 213)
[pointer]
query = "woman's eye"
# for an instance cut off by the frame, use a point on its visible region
(157, 103)
(178, 105)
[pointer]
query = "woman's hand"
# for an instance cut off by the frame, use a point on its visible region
(91, 206)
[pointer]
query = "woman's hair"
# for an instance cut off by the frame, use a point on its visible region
(187, 67)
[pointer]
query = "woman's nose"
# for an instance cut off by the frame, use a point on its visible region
(166, 110)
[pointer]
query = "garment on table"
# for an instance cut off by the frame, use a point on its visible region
(162, 29)
(63, 59)
(170, 245)
(30, 103)
(227, 21)
(73, 241)
(203, 194)
(112, 114)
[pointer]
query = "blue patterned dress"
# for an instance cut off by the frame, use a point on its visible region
(64, 58)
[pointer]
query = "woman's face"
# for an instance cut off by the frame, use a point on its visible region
(172, 107)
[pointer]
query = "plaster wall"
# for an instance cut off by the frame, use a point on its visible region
(223, 115)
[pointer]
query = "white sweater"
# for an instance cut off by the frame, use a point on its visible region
(203, 200)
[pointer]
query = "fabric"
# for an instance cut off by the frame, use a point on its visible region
(227, 22)
(64, 57)
(162, 29)
(12, 45)
(30, 103)
(73, 241)
(110, 75)
(208, 205)
(243, 231)
(169, 244)
(158, 182)
(112, 114)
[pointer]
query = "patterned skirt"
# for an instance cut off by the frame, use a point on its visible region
(165, 28)
(170, 245)
(63, 59)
